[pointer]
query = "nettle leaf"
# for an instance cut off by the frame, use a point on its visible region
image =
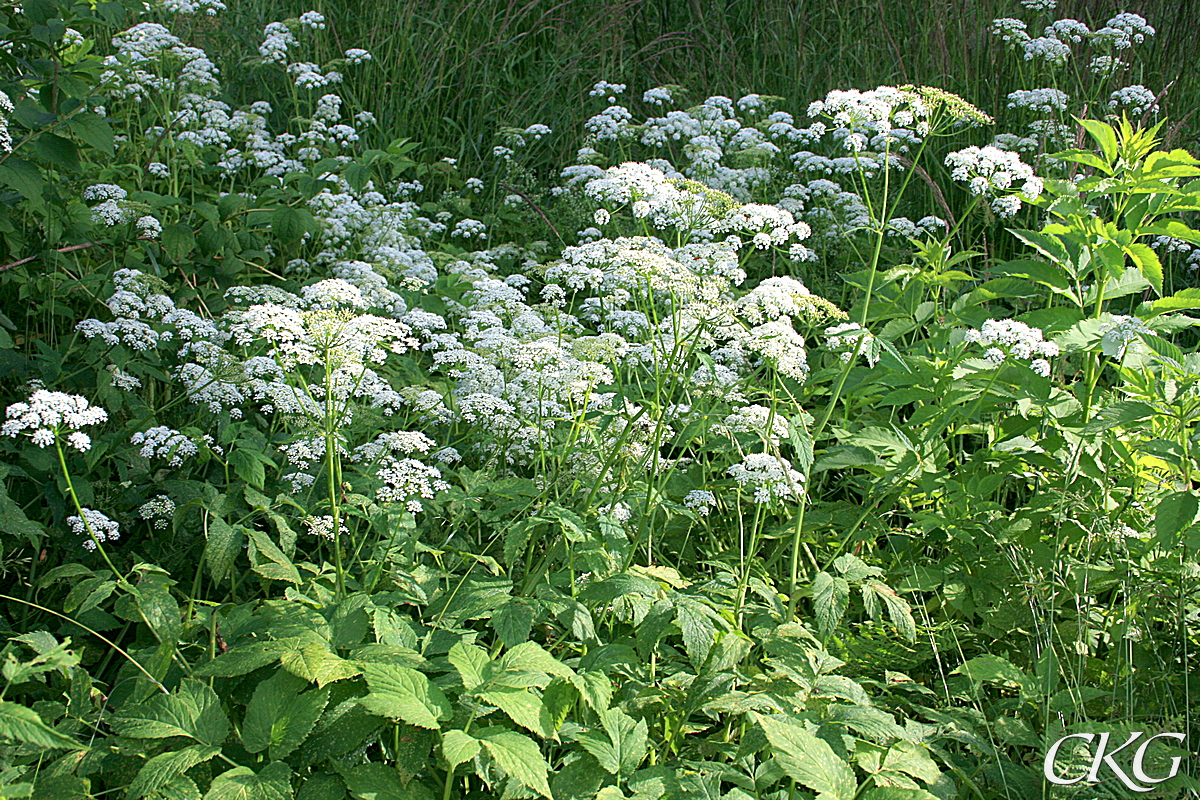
(222, 545)
(277, 566)
(310, 658)
(988, 667)
(241, 660)
(622, 745)
(831, 598)
(403, 693)
(274, 782)
(897, 793)
(698, 623)
(520, 759)
(378, 782)
(1175, 512)
(513, 621)
(193, 710)
(279, 717)
(164, 768)
(808, 760)
(470, 661)
(521, 705)
(24, 725)
(459, 747)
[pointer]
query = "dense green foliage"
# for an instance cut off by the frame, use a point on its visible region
(668, 459)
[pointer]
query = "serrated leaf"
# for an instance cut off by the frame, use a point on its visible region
(166, 767)
(470, 661)
(277, 566)
(513, 621)
(93, 129)
(1118, 414)
(808, 760)
(279, 718)
(520, 758)
(24, 725)
(177, 240)
(193, 710)
(241, 659)
(288, 224)
(522, 707)
(221, 547)
(403, 693)
(311, 659)
(831, 598)
(274, 782)
(897, 793)
(459, 747)
(696, 622)
(1175, 512)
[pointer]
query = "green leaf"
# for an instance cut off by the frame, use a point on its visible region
(160, 610)
(26, 179)
(522, 706)
(1104, 135)
(166, 767)
(57, 150)
(470, 662)
(310, 658)
(24, 725)
(288, 224)
(513, 621)
(277, 567)
(241, 659)
(1118, 414)
(520, 759)
(459, 747)
(831, 598)
(1181, 300)
(403, 693)
(93, 129)
(1175, 513)
(897, 793)
(808, 760)
(279, 718)
(177, 240)
(193, 710)
(988, 667)
(912, 759)
(221, 547)
(274, 782)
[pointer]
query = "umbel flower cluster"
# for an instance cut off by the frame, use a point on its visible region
(47, 415)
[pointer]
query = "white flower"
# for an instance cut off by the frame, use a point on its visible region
(701, 501)
(47, 413)
(313, 19)
(771, 477)
(1119, 331)
(158, 511)
(1008, 337)
(94, 524)
(323, 527)
(357, 55)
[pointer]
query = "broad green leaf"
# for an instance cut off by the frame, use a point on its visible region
(24, 725)
(1104, 135)
(279, 718)
(178, 240)
(193, 710)
(808, 760)
(897, 793)
(382, 782)
(93, 129)
(160, 610)
(1175, 513)
(166, 767)
(1182, 300)
(696, 622)
(988, 667)
(277, 566)
(1118, 414)
(222, 545)
(831, 598)
(513, 621)
(470, 662)
(912, 759)
(520, 759)
(403, 693)
(521, 705)
(311, 658)
(242, 659)
(288, 224)
(274, 782)
(459, 747)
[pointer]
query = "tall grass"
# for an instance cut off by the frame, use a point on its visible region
(450, 74)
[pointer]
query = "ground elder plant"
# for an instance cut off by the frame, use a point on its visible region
(706, 467)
